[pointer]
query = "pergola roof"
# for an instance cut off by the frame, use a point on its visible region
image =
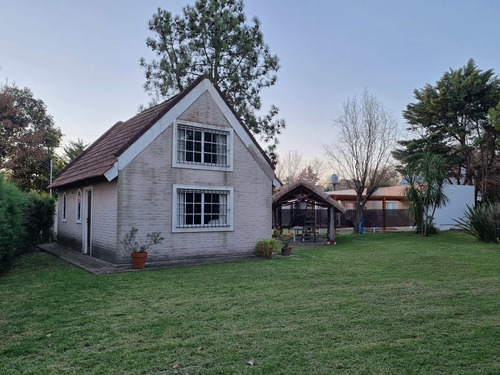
(303, 190)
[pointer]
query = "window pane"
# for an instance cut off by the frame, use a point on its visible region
(206, 208)
(64, 206)
(79, 206)
(202, 146)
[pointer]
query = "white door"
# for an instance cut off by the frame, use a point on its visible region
(87, 221)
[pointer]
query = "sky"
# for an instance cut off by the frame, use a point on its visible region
(82, 57)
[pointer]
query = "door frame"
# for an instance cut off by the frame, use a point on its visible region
(87, 218)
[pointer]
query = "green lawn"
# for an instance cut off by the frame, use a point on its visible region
(390, 304)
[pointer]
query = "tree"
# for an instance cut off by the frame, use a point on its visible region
(494, 114)
(362, 153)
(212, 38)
(451, 120)
(425, 191)
(308, 173)
(73, 149)
(288, 167)
(292, 167)
(28, 138)
(392, 177)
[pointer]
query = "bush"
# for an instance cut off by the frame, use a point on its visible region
(39, 218)
(12, 231)
(482, 221)
(266, 247)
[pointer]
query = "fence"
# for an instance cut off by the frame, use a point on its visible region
(373, 218)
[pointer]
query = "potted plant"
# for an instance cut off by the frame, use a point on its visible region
(138, 250)
(284, 240)
(266, 247)
(286, 248)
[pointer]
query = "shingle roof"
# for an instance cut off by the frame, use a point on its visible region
(104, 152)
(307, 190)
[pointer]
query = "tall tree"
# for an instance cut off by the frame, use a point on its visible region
(425, 191)
(213, 38)
(494, 114)
(451, 119)
(28, 138)
(73, 149)
(362, 153)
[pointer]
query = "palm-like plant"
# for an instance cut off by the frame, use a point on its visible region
(482, 221)
(425, 192)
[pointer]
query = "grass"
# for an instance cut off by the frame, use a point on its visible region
(391, 304)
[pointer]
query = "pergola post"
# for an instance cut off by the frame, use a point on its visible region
(384, 211)
(331, 224)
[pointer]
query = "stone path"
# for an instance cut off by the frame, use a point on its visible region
(98, 266)
(86, 262)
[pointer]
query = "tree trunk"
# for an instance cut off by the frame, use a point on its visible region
(359, 214)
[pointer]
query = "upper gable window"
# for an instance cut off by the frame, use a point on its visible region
(202, 146)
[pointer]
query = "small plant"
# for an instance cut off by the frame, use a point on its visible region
(266, 247)
(283, 238)
(130, 244)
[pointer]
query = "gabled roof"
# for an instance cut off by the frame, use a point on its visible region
(103, 155)
(301, 190)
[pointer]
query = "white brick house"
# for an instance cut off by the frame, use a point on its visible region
(188, 168)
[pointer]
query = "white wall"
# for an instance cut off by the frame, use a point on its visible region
(460, 196)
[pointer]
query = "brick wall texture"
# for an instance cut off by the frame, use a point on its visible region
(142, 197)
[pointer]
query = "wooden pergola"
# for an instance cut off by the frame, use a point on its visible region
(306, 193)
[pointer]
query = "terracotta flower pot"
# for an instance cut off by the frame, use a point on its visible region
(138, 260)
(266, 251)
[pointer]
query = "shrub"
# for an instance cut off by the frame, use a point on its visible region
(482, 221)
(131, 245)
(39, 217)
(12, 231)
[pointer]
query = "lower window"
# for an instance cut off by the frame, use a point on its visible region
(205, 209)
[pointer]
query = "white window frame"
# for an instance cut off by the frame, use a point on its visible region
(79, 218)
(175, 202)
(64, 207)
(230, 141)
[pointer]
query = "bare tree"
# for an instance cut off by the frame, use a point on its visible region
(289, 166)
(362, 153)
(318, 166)
(292, 167)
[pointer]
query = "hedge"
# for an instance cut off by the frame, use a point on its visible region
(12, 230)
(25, 219)
(39, 218)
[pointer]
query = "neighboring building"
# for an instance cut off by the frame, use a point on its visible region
(188, 168)
(391, 198)
(460, 197)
